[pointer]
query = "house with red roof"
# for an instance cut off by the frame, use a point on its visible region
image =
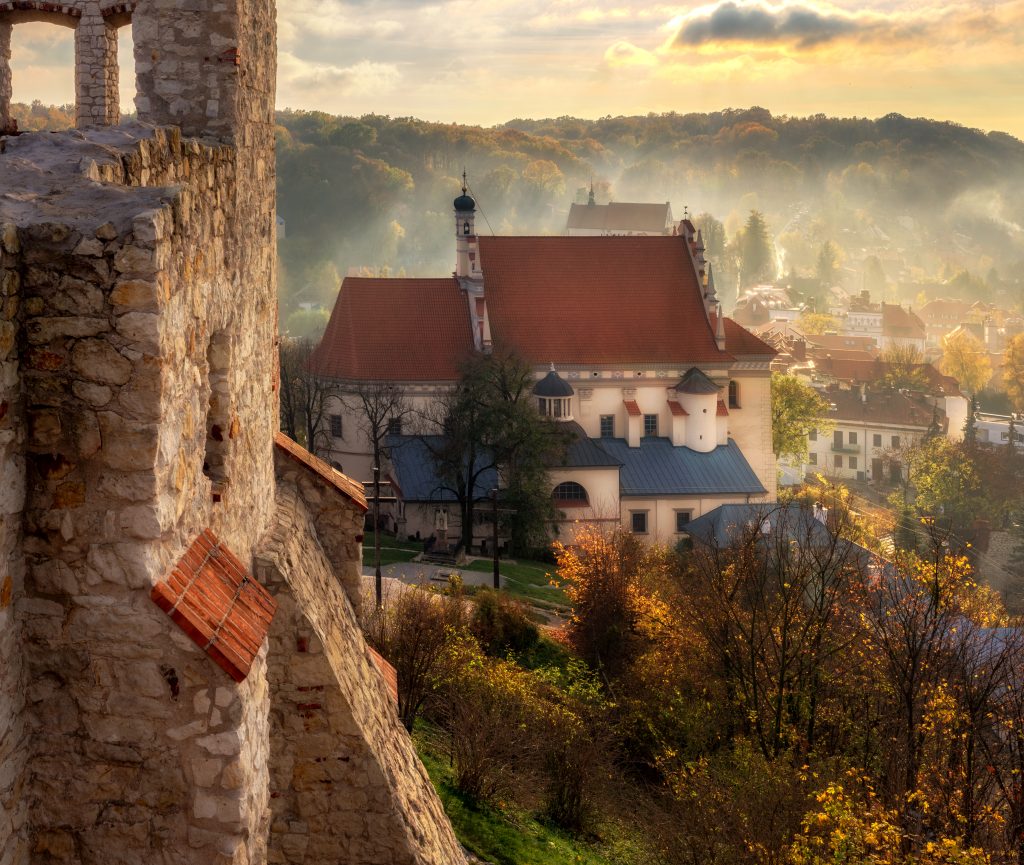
(668, 401)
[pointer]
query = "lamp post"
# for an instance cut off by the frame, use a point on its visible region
(376, 534)
(494, 516)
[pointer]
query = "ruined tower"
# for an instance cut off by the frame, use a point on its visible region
(181, 675)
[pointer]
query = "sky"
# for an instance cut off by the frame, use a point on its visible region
(488, 61)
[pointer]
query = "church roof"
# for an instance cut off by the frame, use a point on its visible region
(620, 216)
(396, 330)
(597, 300)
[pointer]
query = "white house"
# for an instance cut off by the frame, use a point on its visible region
(670, 403)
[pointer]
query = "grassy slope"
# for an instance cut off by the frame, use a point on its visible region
(505, 837)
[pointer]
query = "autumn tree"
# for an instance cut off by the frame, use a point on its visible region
(875, 280)
(305, 397)
(796, 410)
(816, 323)
(904, 368)
(965, 359)
(1013, 371)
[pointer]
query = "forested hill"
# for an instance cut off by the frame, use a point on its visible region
(928, 199)
(376, 192)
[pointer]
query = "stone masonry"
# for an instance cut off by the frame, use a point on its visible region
(138, 410)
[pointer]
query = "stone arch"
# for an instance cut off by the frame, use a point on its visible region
(96, 70)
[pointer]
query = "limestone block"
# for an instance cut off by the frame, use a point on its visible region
(98, 361)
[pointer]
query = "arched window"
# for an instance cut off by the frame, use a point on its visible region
(734, 394)
(570, 494)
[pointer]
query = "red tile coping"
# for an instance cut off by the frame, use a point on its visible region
(214, 599)
(676, 409)
(722, 410)
(387, 672)
(632, 409)
(342, 483)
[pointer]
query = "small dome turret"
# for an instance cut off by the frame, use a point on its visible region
(553, 385)
(696, 382)
(464, 203)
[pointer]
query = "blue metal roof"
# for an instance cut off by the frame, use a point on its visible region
(656, 468)
(728, 523)
(585, 452)
(412, 464)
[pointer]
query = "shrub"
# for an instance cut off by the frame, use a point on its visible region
(502, 625)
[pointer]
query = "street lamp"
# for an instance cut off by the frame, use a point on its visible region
(376, 534)
(494, 515)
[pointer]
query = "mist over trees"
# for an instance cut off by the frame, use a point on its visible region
(373, 194)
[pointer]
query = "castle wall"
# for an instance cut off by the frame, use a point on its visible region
(346, 783)
(13, 730)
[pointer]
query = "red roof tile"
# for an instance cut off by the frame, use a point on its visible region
(632, 409)
(722, 410)
(740, 342)
(396, 330)
(676, 409)
(897, 321)
(342, 483)
(214, 599)
(388, 673)
(596, 300)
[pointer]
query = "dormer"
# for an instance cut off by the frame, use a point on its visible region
(554, 396)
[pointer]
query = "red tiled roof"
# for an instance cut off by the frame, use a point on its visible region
(722, 410)
(214, 599)
(676, 409)
(396, 330)
(897, 321)
(885, 407)
(858, 371)
(388, 673)
(596, 300)
(342, 483)
(841, 341)
(739, 341)
(632, 409)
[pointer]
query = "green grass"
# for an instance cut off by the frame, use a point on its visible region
(506, 836)
(391, 550)
(530, 581)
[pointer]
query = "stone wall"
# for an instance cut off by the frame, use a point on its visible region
(346, 783)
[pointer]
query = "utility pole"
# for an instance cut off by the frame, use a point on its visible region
(376, 535)
(494, 515)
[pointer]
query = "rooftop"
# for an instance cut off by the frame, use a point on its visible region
(621, 216)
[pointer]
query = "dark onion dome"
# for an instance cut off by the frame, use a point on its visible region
(694, 381)
(465, 202)
(553, 385)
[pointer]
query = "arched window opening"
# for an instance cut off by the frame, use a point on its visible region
(734, 394)
(219, 430)
(126, 72)
(570, 494)
(41, 72)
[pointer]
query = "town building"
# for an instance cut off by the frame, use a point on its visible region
(668, 400)
(619, 217)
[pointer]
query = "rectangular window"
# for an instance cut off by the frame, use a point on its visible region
(813, 435)
(336, 430)
(650, 424)
(607, 426)
(853, 439)
(812, 458)
(682, 521)
(878, 440)
(837, 439)
(395, 426)
(837, 460)
(895, 441)
(853, 462)
(638, 522)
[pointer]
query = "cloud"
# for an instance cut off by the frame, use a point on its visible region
(802, 27)
(626, 54)
(361, 79)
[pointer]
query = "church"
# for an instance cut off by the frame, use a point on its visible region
(668, 400)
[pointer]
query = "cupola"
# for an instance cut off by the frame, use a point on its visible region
(554, 396)
(698, 397)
